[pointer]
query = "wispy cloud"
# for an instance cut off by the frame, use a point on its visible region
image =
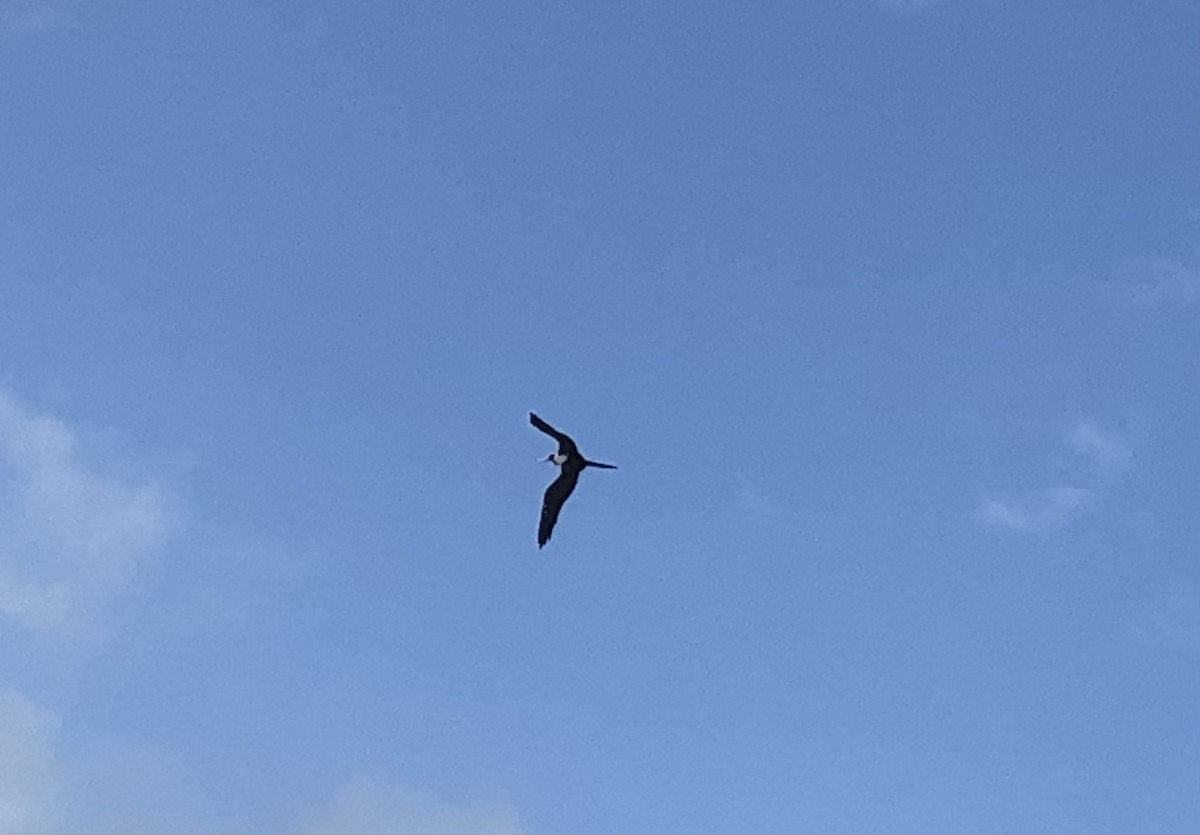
(371, 806)
(1102, 447)
(37, 21)
(1162, 282)
(72, 535)
(29, 777)
(751, 500)
(1050, 511)
(1171, 621)
(906, 7)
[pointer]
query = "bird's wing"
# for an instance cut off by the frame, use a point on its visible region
(556, 495)
(565, 445)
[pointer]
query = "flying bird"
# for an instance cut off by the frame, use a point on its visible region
(572, 463)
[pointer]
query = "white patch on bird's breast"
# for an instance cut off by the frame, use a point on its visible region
(559, 458)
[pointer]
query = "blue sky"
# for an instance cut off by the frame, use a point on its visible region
(888, 312)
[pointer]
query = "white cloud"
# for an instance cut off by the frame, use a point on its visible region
(29, 779)
(112, 785)
(1088, 439)
(369, 806)
(71, 535)
(1161, 282)
(1053, 509)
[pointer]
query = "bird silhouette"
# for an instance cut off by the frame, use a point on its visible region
(572, 463)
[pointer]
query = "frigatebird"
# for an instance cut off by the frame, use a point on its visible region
(572, 463)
